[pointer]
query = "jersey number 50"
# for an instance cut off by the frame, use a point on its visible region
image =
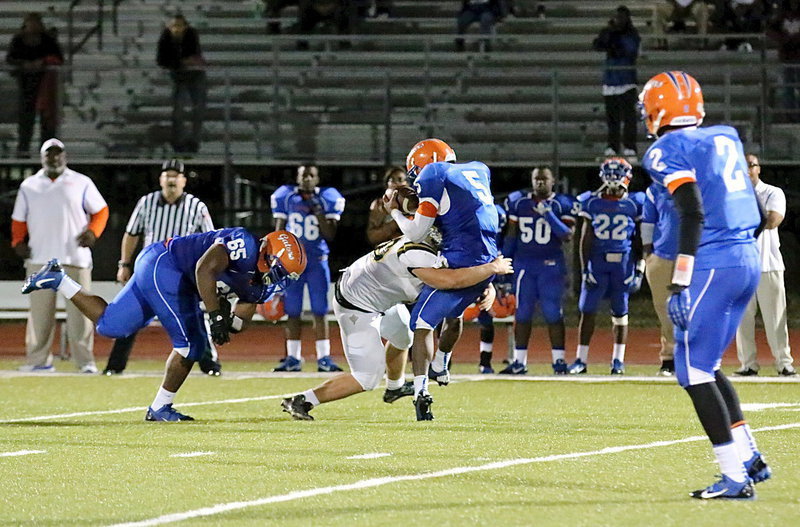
(540, 232)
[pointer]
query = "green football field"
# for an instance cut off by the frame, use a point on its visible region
(75, 450)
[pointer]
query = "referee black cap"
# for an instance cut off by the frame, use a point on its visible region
(173, 164)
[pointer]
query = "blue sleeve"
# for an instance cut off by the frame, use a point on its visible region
(560, 229)
(430, 184)
(502, 218)
(333, 202)
(278, 202)
(570, 207)
(511, 206)
(666, 161)
(649, 211)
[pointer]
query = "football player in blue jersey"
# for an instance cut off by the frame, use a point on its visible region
(457, 198)
(608, 265)
(716, 269)
(540, 222)
(312, 214)
(170, 280)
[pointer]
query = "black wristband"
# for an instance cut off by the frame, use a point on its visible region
(127, 265)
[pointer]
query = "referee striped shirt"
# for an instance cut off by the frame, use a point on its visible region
(158, 220)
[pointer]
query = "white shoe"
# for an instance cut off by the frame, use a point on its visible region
(39, 368)
(88, 368)
(629, 152)
(609, 152)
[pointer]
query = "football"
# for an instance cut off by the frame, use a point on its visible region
(407, 200)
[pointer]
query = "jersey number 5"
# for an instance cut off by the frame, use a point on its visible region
(483, 193)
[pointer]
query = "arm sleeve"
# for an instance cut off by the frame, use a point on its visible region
(19, 229)
(416, 229)
(98, 221)
(689, 207)
(559, 227)
(334, 203)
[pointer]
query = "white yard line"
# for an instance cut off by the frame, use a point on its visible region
(193, 454)
(374, 455)
(136, 409)
(22, 453)
(379, 482)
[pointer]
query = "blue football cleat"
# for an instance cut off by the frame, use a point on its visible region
(577, 367)
(726, 489)
(326, 364)
(166, 413)
(48, 277)
(757, 468)
(441, 377)
(515, 368)
(485, 369)
(289, 364)
(560, 367)
(617, 367)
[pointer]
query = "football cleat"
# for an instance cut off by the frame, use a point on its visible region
(289, 364)
(746, 372)
(422, 404)
(485, 369)
(48, 277)
(326, 364)
(515, 368)
(39, 368)
(757, 468)
(390, 396)
(210, 367)
(298, 407)
(726, 489)
(617, 367)
(90, 368)
(560, 367)
(578, 367)
(667, 368)
(166, 413)
(441, 377)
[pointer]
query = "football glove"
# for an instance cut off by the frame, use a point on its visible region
(589, 280)
(542, 208)
(634, 281)
(679, 306)
(220, 322)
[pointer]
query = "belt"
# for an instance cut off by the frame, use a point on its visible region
(337, 294)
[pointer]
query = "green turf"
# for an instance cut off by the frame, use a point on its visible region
(102, 469)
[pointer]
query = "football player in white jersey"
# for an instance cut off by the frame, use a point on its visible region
(369, 306)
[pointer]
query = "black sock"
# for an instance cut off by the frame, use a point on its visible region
(730, 397)
(712, 412)
(486, 358)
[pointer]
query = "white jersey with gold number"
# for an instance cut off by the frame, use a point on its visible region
(382, 278)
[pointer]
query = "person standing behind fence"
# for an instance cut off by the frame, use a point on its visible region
(620, 40)
(30, 53)
(62, 214)
(158, 216)
(179, 52)
(770, 295)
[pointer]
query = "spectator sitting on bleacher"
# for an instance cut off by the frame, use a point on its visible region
(620, 40)
(739, 16)
(485, 12)
(785, 30)
(677, 12)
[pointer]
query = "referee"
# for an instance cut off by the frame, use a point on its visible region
(160, 215)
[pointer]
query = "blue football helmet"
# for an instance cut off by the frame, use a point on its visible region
(616, 174)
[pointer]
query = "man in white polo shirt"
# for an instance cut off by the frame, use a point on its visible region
(58, 213)
(771, 294)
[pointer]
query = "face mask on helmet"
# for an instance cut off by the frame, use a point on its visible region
(282, 258)
(616, 174)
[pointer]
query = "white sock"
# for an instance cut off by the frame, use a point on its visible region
(293, 349)
(69, 288)
(521, 355)
(729, 462)
(486, 347)
(582, 353)
(440, 360)
(557, 353)
(745, 443)
(420, 384)
(162, 397)
(395, 384)
(311, 397)
(323, 348)
(619, 352)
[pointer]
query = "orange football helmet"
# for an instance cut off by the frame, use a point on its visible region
(672, 98)
(472, 312)
(272, 309)
(282, 258)
(428, 151)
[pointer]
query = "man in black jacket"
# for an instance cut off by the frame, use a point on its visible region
(179, 52)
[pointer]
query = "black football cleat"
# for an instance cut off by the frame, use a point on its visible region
(423, 404)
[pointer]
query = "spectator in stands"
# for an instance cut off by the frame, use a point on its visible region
(61, 213)
(158, 216)
(677, 12)
(739, 16)
(785, 30)
(770, 296)
(32, 54)
(486, 12)
(179, 53)
(380, 226)
(620, 40)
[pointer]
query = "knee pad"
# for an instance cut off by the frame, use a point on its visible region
(620, 321)
(368, 381)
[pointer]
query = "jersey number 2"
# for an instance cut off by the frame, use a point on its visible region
(726, 149)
